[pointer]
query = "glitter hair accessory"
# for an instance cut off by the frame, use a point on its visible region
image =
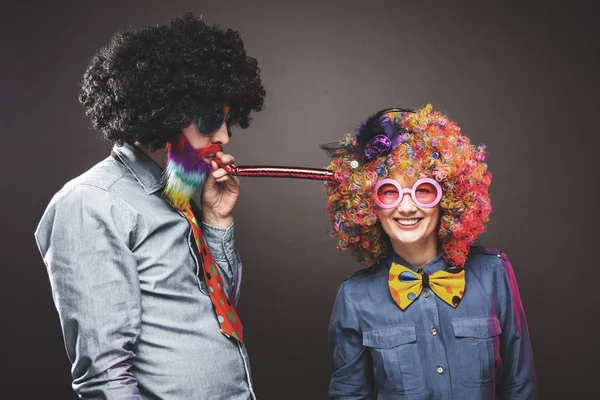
(381, 133)
(378, 136)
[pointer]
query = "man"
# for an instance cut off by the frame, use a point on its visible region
(144, 281)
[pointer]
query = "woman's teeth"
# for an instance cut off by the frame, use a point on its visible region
(407, 222)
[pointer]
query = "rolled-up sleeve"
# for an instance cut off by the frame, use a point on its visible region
(85, 236)
(352, 376)
(518, 379)
(221, 243)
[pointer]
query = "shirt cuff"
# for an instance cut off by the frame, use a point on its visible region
(221, 241)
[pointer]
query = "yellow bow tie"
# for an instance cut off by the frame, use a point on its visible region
(406, 285)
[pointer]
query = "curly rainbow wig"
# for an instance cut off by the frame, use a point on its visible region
(420, 144)
(148, 84)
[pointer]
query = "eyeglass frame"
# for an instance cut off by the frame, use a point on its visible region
(402, 192)
(220, 115)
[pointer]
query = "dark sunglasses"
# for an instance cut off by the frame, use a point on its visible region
(211, 122)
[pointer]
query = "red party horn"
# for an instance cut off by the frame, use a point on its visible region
(278, 172)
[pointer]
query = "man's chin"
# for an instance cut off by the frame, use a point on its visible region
(182, 183)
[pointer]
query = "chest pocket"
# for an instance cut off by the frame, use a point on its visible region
(477, 349)
(395, 358)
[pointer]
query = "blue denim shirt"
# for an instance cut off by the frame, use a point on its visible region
(134, 309)
(480, 350)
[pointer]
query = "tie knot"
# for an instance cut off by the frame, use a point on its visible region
(424, 277)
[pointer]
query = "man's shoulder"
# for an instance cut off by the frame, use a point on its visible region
(103, 179)
(87, 195)
(104, 175)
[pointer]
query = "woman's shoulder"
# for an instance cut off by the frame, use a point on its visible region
(484, 258)
(364, 287)
(486, 253)
(365, 276)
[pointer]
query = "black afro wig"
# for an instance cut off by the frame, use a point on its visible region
(148, 84)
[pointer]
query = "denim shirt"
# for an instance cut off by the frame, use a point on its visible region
(135, 313)
(480, 350)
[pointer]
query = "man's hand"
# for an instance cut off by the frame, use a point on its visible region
(221, 193)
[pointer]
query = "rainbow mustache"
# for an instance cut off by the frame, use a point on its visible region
(212, 149)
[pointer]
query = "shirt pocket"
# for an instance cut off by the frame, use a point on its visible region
(395, 358)
(477, 349)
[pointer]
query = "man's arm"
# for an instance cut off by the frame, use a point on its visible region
(84, 238)
(221, 243)
(518, 380)
(219, 197)
(352, 368)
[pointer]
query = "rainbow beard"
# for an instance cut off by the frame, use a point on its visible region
(185, 171)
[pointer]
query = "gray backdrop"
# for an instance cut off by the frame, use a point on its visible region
(519, 76)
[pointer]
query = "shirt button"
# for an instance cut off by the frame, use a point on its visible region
(227, 244)
(434, 331)
(440, 370)
(426, 294)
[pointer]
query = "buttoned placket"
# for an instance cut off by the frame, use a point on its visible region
(204, 289)
(429, 304)
(193, 250)
(230, 284)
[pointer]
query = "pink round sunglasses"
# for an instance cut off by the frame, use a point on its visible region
(426, 193)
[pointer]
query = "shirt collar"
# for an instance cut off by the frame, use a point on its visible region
(143, 169)
(438, 263)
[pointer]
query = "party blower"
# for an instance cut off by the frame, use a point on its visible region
(278, 172)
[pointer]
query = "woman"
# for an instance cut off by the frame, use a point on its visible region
(433, 316)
